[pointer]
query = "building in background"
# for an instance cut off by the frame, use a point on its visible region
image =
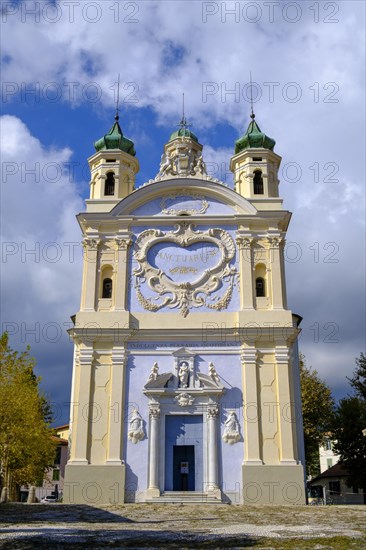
(185, 382)
(330, 487)
(327, 457)
(53, 480)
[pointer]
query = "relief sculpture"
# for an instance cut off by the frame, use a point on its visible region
(156, 287)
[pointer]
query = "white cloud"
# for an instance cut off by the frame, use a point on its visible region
(38, 218)
(217, 163)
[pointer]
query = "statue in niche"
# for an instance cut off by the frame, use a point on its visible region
(136, 428)
(183, 374)
(154, 372)
(231, 433)
(213, 374)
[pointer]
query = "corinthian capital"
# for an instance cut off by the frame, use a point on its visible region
(90, 243)
(154, 411)
(122, 244)
(244, 243)
(212, 411)
(275, 242)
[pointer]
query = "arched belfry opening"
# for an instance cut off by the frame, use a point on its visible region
(258, 183)
(109, 184)
(107, 288)
(260, 289)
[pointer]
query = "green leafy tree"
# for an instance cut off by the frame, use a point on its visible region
(358, 380)
(348, 424)
(317, 410)
(26, 446)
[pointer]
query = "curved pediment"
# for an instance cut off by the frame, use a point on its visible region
(183, 197)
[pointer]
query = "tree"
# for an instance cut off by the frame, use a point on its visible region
(317, 411)
(26, 446)
(348, 423)
(358, 381)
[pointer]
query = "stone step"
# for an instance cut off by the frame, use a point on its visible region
(185, 497)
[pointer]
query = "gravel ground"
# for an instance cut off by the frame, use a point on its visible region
(181, 526)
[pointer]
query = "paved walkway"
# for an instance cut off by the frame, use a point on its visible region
(180, 526)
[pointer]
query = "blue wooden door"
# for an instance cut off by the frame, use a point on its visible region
(185, 431)
(183, 468)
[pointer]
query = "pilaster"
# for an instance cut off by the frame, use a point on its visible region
(276, 272)
(122, 247)
(252, 447)
(245, 246)
(90, 273)
(116, 407)
(286, 411)
(81, 434)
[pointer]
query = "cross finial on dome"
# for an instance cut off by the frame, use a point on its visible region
(116, 117)
(183, 124)
(252, 115)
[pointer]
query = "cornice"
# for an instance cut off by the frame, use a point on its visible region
(228, 335)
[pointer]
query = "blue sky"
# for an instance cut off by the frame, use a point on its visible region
(307, 63)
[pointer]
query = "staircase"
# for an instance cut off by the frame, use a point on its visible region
(185, 497)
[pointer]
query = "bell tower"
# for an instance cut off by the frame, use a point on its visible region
(255, 167)
(113, 168)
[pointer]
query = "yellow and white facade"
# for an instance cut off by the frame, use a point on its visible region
(185, 380)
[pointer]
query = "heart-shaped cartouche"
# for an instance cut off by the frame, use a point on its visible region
(184, 264)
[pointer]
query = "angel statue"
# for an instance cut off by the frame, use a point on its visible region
(213, 374)
(200, 167)
(231, 433)
(166, 165)
(154, 372)
(136, 428)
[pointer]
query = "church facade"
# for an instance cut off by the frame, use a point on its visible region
(185, 382)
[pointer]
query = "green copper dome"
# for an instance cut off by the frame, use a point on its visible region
(254, 138)
(115, 140)
(183, 132)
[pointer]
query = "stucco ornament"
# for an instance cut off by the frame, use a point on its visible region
(201, 209)
(184, 399)
(182, 161)
(136, 427)
(211, 287)
(231, 433)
